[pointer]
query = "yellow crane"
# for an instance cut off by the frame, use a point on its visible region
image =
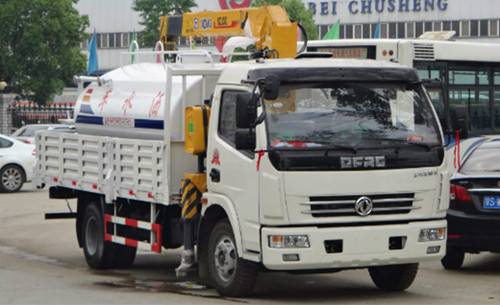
(274, 33)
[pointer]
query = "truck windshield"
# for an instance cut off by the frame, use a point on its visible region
(353, 115)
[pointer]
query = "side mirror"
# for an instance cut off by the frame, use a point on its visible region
(245, 140)
(246, 110)
(459, 120)
(271, 87)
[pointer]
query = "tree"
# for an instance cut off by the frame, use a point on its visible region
(40, 46)
(297, 12)
(151, 10)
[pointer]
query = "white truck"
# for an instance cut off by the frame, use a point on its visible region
(309, 165)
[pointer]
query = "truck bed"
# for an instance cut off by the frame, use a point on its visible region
(118, 168)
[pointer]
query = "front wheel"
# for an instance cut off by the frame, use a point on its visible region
(394, 277)
(229, 274)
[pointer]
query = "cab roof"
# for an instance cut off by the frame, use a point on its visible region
(310, 69)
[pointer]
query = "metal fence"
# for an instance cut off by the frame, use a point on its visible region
(23, 113)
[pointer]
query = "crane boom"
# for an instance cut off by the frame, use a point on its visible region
(270, 26)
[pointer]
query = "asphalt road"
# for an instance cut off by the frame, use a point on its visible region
(40, 263)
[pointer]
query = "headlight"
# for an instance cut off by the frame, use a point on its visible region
(289, 241)
(434, 234)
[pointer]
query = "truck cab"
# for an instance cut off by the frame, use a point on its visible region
(324, 164)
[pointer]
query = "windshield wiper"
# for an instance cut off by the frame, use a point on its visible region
(427, 146)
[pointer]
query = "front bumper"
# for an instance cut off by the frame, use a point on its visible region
(363, 246)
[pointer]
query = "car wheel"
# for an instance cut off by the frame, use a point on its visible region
(394, 277)
(454, 258)
(229, 274)
(99, 253)
(12, 178)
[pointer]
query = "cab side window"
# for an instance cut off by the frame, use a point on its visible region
(227, 117)
(227, 120)
(5, 143)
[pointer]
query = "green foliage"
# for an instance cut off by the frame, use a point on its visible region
(151, 10)
(297, 12)
(40, 46)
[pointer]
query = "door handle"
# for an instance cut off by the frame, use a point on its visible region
(215, 175)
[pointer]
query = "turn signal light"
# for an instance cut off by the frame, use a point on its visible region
(458, 192)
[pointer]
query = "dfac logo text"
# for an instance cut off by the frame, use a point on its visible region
(355, 7)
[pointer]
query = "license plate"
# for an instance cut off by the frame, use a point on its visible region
(491, 202)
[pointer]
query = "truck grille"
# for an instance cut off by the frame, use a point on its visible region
(385, 204)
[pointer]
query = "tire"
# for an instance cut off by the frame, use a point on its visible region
(99, 253)
(454, 258)
(12, 178)
(394, 277)
(230, 275)
(124, 256)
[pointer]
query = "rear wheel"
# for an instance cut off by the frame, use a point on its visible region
(229, 274)
(99, 253)
(11, 179)
(454, 258)
(394, 277)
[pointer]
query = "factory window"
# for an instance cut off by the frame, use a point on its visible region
(342, 31)
(111, 40)
(455, 26)
(393, 30)
(118, 40)
(323, 29)
(383, 31)
(104, 41)
(484, 28)
(98, 40)
(367, 30)
(427, 27)
(357, 31)
(465, 31)
(401, 30)
(446, 25)
(494, 27)
(410, 30)
(419, 29)
(437, 26)
(474, 28)
(125, 40)
(348, 31)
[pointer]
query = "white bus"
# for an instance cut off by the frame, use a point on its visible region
(463, 78)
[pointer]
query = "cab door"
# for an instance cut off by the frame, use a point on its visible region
(232, 173)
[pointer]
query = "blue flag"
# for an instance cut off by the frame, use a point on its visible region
(378, 31)
(92, 64)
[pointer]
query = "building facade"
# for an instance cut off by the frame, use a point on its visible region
(478, 20)
(115, 21)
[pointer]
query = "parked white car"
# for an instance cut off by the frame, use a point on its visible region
(27, 133)
(17, 160)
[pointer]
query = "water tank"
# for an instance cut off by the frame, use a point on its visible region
(129, 103)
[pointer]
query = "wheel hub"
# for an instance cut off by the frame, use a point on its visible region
(91, 236)
(11, 179)
(225, 259)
